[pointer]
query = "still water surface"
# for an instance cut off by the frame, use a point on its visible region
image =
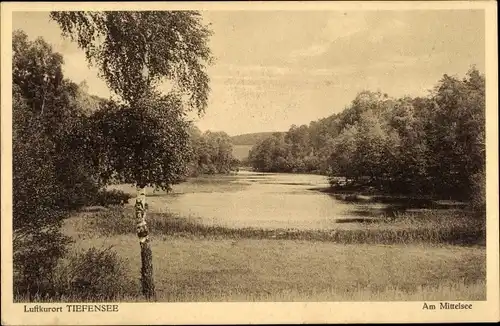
(266, 200)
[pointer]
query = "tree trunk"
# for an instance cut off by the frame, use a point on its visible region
(147, 281)
(148, 286)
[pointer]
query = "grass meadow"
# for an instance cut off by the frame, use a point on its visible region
(206, 263)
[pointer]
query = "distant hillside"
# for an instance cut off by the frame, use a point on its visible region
(250, 139)
(241, 151)
(242, 144)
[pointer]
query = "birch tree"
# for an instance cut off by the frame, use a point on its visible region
(135, 53)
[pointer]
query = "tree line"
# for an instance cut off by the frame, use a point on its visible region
(433, 145)
(69, 145)
(213, 153)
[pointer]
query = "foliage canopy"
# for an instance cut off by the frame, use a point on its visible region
(170, 44)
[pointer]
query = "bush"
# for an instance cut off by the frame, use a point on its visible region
(35, 257)
(37, 208)
(111, 197)
(478, 189)
(93, 275)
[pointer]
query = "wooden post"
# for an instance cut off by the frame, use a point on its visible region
(147, 281)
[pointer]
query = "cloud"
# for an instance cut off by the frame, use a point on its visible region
(339, 25)
(249, 70)
(313, 50)
(281, 67)
(387, 29)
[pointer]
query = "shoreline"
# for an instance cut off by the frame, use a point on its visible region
(428, 228)
(360, 192)
(363, 196)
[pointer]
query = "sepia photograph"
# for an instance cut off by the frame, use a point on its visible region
(249, 154)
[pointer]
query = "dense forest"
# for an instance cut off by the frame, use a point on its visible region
(432, 145)
(64, 143)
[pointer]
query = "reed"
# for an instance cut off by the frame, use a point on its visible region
(432, 226)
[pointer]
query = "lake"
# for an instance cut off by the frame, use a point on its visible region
(262, 200)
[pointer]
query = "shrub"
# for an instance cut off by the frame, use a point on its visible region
(93, 275)
(37, 211)
(478, 196)
(35, 257)
(112, 197)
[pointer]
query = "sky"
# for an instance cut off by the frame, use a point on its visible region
(277, 68)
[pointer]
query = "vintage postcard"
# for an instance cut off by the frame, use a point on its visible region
(249, 162)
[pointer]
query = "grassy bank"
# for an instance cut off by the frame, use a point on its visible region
(195, 263)
(197, 269)
(430, 227)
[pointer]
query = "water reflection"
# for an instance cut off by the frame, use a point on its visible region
(275, 201)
